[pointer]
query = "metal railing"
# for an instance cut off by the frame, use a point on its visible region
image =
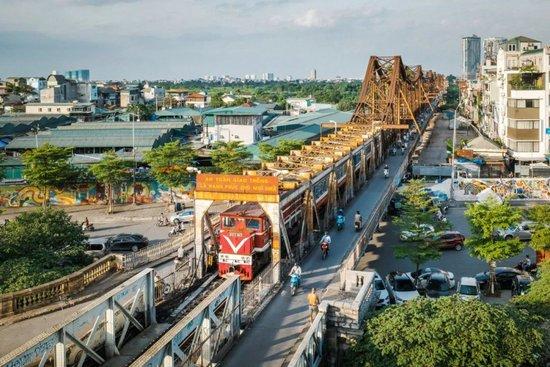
(311, 350)
(57, 290)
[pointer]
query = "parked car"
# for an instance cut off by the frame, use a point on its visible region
(423, 274)
(96, 247)
(127, 242)
(183, 216)
(504, 277)
(521, 231)
(468, 288)
(423, 231)
(402, 287)
(449, 240)
(521, 284)
(436, 285)
(386, 295)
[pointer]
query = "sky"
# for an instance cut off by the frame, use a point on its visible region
(174, 39)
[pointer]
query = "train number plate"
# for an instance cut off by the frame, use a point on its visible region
(235, 259)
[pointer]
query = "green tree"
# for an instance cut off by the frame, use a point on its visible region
(230, 157)
(540, 215)
(38, 247)
(485, 219)
(537, 299)
(216, 100)
(47, 168)
(448, 332)
(418, 209)
(269, 153)
(169, 164)
(110, 171)
(143, 111)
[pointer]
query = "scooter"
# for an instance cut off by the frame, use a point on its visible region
(294, 283)
(162, 222)
(386, 173)
(324, 249)
(175, 231)
(340, 222)
(88, 228)
(358, 226)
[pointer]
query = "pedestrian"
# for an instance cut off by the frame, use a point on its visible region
(526, 263)
(313, 302)
(181, 253)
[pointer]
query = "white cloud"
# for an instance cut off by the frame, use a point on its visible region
(312, 18)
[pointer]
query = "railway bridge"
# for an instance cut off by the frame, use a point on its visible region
(341, 170)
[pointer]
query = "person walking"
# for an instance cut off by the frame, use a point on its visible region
(313, 302)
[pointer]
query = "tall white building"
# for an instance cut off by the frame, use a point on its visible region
(515, 99)
(313, 74)
(471, 56)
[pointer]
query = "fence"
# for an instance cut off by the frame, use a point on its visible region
(44, 294)
(152, 253)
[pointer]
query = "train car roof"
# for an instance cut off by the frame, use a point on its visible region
(246, 209)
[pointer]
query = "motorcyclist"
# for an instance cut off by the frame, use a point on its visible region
(296, 270)
(162, 219)
(358, 219)
(526, 264)
(386, 171)
(326, 238)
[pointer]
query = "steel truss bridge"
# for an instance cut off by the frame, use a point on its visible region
(121, 329)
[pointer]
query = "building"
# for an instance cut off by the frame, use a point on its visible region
(81, 75)
(198, 100)
(268, 77)
(179, 114)
(514, 106)
(99, 137)
(87, 92)
(130, 96)
(177, 97)
(75, 109)
(153, 93)
(490, 49)
(471, 56)
(242, 123)
(58, 90)
(313, 74)
(37, 83)
(16, 81)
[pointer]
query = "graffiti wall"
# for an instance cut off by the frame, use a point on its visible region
(508, 188)
(146, 192)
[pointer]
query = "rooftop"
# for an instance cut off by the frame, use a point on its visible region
(522, 39)
(179, 112)
(238, 111)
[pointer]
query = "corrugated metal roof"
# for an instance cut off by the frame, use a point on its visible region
(238, 110)
(318, 117)
(179, 111)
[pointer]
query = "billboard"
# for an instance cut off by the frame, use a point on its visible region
(237, 188)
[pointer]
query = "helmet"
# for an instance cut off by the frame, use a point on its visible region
(326, 233)
(358, 212)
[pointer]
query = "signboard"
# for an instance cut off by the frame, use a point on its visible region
(235, 259)
(548, 131)
(237, 188)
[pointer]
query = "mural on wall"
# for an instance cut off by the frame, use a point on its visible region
(85, 194)
(509, 188)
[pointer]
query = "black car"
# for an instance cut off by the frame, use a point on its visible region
(521, 284)
(437, 285)
(504, 277)
(127, 242)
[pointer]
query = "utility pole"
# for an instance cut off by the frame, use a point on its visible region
(453, 168)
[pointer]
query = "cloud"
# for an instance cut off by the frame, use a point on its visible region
(313, 19)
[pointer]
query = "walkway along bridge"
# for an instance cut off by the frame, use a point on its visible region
(121, 328)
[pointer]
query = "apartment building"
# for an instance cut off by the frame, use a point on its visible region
(514, 100)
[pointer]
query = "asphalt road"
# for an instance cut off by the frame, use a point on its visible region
(279, 326)
(380, 257)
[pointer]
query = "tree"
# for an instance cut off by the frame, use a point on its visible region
(38, 247)
(230, 157)
(47, 168)
(537, 299)
(216, 100)
(269, 153)
(448, 332)
(143, 111)
(110, 171)
(540, 215)
(486, 218)
(418, 209)
(169, 164)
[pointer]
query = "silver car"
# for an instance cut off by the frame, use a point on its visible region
(521, 231)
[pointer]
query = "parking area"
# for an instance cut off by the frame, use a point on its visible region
(380, 255)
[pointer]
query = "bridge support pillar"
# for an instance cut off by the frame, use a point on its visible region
(272, 210)
(200, 257)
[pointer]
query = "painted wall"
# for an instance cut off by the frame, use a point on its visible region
(146, 192)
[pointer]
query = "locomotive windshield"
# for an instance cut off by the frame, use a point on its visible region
(229, 222)
(253, 224)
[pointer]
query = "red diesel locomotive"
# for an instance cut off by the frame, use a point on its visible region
(245, 241)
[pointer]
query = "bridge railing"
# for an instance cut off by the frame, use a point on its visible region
(311, 350)
(56, 290)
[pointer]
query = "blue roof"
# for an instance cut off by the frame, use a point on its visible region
(178, 112)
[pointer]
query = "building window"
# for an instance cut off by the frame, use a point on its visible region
(524, 124)
(523, 146)
(511, 47)
(49, 110)
(523, 103)
(58, 109)
(40, 109)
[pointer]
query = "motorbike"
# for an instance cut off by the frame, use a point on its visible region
(324, 249)
(88, 228)
(358, 226)
(340, 222)
(162, 222)
(294, 283)
(386, 173)
(175, 231)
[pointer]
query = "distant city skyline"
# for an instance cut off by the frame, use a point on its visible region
(187, 39)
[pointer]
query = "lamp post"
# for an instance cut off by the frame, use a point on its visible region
(453, 168)
(134, 156)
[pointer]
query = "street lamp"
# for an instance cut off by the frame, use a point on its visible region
(133, 115)
(453, 168)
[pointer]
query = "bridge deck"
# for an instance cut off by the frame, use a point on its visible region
(276, 331)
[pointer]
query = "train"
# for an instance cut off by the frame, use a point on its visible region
(244, 240)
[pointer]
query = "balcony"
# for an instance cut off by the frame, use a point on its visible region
(529, 113)
(526, 81)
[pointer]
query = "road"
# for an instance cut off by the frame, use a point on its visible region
(380, 257)
(278, 328)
